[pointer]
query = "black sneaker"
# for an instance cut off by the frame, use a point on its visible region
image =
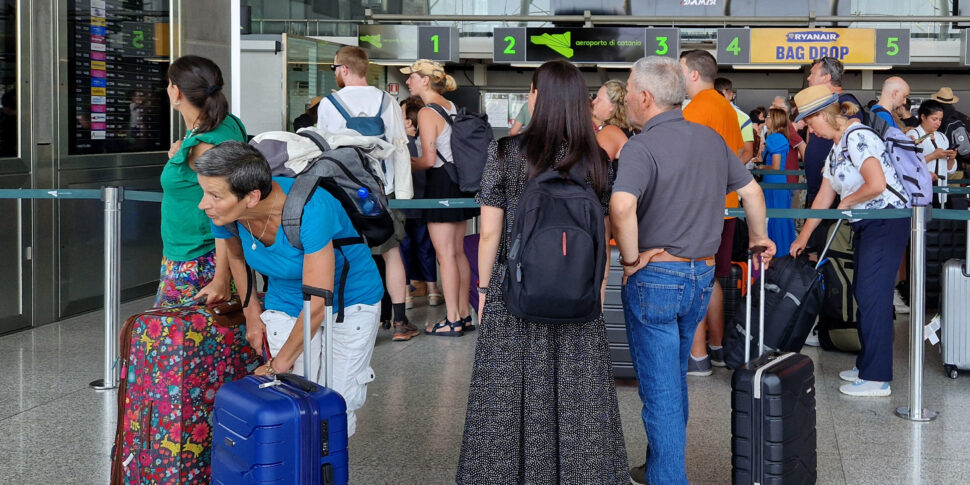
(638, 475)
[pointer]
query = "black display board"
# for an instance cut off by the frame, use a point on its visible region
(117, 61)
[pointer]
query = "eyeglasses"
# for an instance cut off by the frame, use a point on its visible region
(831, 64)
(333, 67)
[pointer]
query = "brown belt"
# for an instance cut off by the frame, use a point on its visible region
(666, 257)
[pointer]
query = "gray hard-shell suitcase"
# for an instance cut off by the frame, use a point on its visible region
(955, 314)
(616, 322)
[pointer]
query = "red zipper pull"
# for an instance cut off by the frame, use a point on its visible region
(564, 243)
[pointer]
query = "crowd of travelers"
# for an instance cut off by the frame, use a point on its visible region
(663, 151)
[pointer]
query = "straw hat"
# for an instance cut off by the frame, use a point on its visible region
(813, 99)
(945, 95)
(315, 101)
(425, 67)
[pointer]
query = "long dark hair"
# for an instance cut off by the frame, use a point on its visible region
(562, 115)
(200, 81)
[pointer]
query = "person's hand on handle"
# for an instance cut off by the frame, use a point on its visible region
(798, 245)
(216, 291)
(255, 332)
(766, 255)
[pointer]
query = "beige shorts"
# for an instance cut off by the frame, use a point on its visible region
(396, 238)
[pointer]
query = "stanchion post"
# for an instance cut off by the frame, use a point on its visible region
(112, 198)
(917, 315)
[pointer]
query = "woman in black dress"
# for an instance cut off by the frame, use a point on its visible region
(542, 406)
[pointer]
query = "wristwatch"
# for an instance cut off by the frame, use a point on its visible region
(483, 289)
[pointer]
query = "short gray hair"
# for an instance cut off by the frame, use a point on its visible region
(833, 67)
(662, 78)
(241, 164)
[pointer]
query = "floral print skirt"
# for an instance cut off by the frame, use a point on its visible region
(179, 281)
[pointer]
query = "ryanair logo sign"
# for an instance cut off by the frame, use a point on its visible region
(813, 36)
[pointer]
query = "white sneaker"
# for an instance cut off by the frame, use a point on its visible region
(863, 388)
(849, 375)
(812, 340)
(900, 306)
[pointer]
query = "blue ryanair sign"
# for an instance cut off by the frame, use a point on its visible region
(813, 36)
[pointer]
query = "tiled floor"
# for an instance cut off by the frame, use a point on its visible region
(54, 430)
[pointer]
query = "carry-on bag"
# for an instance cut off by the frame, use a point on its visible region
(284, 429)
(773, 437)
(173, 360)
(955, 312)
(793, 301)
(838, 327)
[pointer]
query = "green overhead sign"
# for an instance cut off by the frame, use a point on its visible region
(595, 45)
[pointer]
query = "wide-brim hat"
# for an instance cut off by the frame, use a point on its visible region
(945, 95)
(425, 67)
(813, 99)
(315, 101)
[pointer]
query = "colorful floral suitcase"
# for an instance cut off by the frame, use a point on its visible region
(173, 360)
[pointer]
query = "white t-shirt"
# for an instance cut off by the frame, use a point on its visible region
(939, 166)
(366, 101)
(843, 168)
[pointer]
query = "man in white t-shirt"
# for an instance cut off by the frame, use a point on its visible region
(358, 99)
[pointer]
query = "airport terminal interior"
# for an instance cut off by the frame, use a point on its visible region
(83, 106)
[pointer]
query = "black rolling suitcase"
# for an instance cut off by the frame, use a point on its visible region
(773, 438)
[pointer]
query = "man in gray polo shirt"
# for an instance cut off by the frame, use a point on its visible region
(667, 213)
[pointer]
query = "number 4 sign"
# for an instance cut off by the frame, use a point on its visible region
(733, 46)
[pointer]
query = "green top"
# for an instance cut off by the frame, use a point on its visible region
(186, 230)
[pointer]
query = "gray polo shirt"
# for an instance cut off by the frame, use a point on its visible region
(680, 172)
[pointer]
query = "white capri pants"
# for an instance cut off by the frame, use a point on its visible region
(353, 347)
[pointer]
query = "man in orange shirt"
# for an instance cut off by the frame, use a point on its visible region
(707, 107)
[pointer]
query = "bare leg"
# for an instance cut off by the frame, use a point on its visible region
(464, 270)
(442, 236)
(715, 319)
(395, 274)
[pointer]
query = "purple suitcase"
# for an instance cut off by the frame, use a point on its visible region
(287, 430)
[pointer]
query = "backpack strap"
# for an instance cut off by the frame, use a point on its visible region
(292, 218)
(337, 103)
(746, 123)
(338, 245)
(317, 139)
(441, 111)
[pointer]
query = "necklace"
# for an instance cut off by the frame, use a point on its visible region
(265, 225)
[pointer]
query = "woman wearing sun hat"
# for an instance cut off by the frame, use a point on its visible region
(447, 227)
(859, 171)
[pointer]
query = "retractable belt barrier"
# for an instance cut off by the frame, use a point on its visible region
(114, 196)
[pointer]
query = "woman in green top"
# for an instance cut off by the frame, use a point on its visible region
(194, 265)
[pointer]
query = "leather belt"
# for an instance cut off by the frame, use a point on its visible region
(666, 257)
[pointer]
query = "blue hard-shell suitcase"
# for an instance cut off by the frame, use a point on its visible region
(287, 430)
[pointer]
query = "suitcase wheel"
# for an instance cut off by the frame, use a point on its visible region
(951, 371)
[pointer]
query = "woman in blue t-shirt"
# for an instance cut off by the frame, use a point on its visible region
(780, 230)
(239, 191)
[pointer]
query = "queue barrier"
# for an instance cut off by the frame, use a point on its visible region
(114, 196)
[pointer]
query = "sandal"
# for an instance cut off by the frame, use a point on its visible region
(443, 324)
(435, 299)
(467, 324)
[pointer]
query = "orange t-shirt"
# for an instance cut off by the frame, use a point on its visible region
(711, 109)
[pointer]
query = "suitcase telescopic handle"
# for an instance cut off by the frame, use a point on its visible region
(828, 244)
(756, 251)
(327, 295)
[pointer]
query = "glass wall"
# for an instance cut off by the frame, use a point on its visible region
(9, 124)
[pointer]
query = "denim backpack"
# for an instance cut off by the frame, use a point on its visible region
(907, 159)
(557, 259)
(365, 125)
(470, 136)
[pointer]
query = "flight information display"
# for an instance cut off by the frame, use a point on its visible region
(117, 60)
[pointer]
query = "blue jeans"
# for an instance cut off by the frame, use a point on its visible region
(662, 304)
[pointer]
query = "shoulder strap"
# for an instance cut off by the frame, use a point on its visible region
(380, 108)
(858, 126)
(317, 139)
(292, 218)
(441, 111)
(745, 124)
(340, 106)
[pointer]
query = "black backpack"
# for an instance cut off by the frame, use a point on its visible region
(955, 130)
(470, 136)
(557, 251)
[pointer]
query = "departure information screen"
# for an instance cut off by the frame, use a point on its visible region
(117, 60)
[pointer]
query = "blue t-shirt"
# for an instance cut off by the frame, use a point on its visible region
(324, 219)
(884, 114)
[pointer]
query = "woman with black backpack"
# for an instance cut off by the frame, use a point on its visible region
(542, 405)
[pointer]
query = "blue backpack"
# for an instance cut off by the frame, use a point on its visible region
(365, 125)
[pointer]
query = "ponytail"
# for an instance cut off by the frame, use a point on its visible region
(200, 81)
